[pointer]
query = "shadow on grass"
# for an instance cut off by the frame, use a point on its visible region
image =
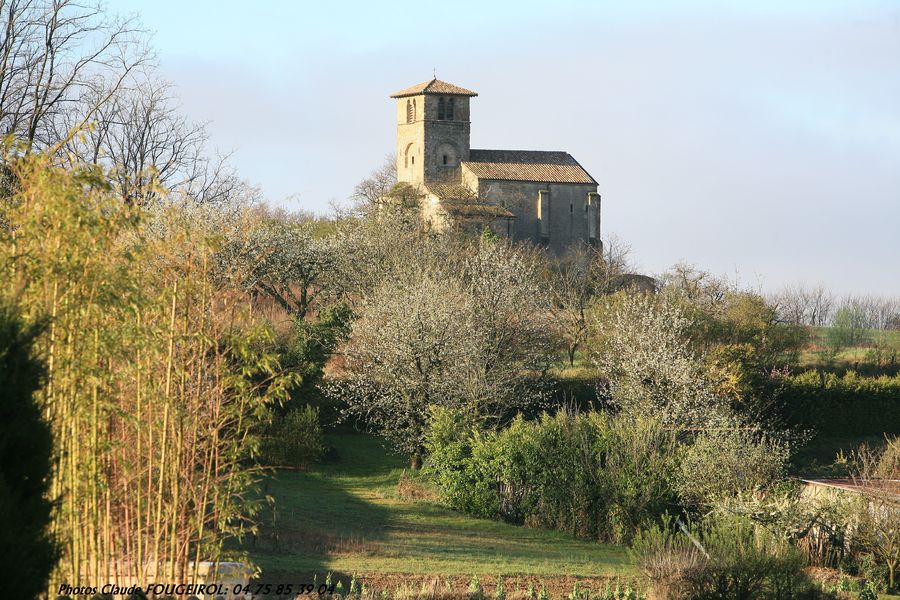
(323, 513)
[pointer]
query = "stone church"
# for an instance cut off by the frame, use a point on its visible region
(527, 195)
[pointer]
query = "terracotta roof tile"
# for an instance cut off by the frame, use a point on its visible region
(460, 201)
(527, 165)
(435, 86)
(476, 209)
(452, 191)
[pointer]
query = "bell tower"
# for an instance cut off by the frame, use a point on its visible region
(433, 130)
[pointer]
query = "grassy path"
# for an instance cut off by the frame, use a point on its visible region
(347, 517)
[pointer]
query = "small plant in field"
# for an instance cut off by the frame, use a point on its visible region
(448, 585)
(476, 592)
(606, 594)
(543, 595)
(576, 592)
(532, 594)
(869, 593)
(354, 586)
(339, 588)
(328, 580)
(500, 589)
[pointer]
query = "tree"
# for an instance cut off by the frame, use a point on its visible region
(141, 137)
(410, 349)
(78, 82)
(576, 279)
(372, 190)
(25, 458)
(55, 55)
(799, 305)
(848, 328)
(469, 332)
(374, 244)
(640, 347)
(280, 256)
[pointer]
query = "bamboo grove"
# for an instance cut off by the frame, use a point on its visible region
(156, 377)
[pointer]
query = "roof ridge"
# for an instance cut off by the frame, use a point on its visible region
(550, 166)
(434, 86)
(507, 150)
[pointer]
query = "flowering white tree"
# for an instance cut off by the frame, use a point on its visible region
(279, 256)
(641, 349)
(459, 333)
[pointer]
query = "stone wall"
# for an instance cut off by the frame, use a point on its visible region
(422, 145)
(568, 213)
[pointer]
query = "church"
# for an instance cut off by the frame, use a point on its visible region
(545, 197)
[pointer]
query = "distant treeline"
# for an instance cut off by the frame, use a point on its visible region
(820, 307)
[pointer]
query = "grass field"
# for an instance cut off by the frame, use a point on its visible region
(347, 517)
(818, 354)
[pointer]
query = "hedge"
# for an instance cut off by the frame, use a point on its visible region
(846, 406)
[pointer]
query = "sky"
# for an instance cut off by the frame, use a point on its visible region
(759, 139)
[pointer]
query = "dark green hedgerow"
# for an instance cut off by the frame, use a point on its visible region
(851, 405)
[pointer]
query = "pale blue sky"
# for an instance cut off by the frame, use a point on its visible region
(758, 138)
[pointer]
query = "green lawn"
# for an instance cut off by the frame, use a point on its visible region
(818, 355)
(346, 517)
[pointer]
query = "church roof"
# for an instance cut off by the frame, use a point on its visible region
(435, 86)
(527, 165)
(451, 191)
(460, 201)
(476, 210)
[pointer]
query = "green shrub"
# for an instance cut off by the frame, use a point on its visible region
(732, 559)
(868, 593)
(742, 461)
(592, 475)
(294, 440)
(846, 406)
(306, 349)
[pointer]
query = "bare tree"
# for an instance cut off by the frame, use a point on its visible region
(799, 305)
(792, 305)
(697, 286)
(576, 279)
(58, 54)
(372, 190)
(142, 138)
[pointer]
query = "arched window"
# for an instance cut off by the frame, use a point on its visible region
(414, 109)
(440, 109)
(407, 155)
(448, 113)
(448, 155)
(410, 112)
